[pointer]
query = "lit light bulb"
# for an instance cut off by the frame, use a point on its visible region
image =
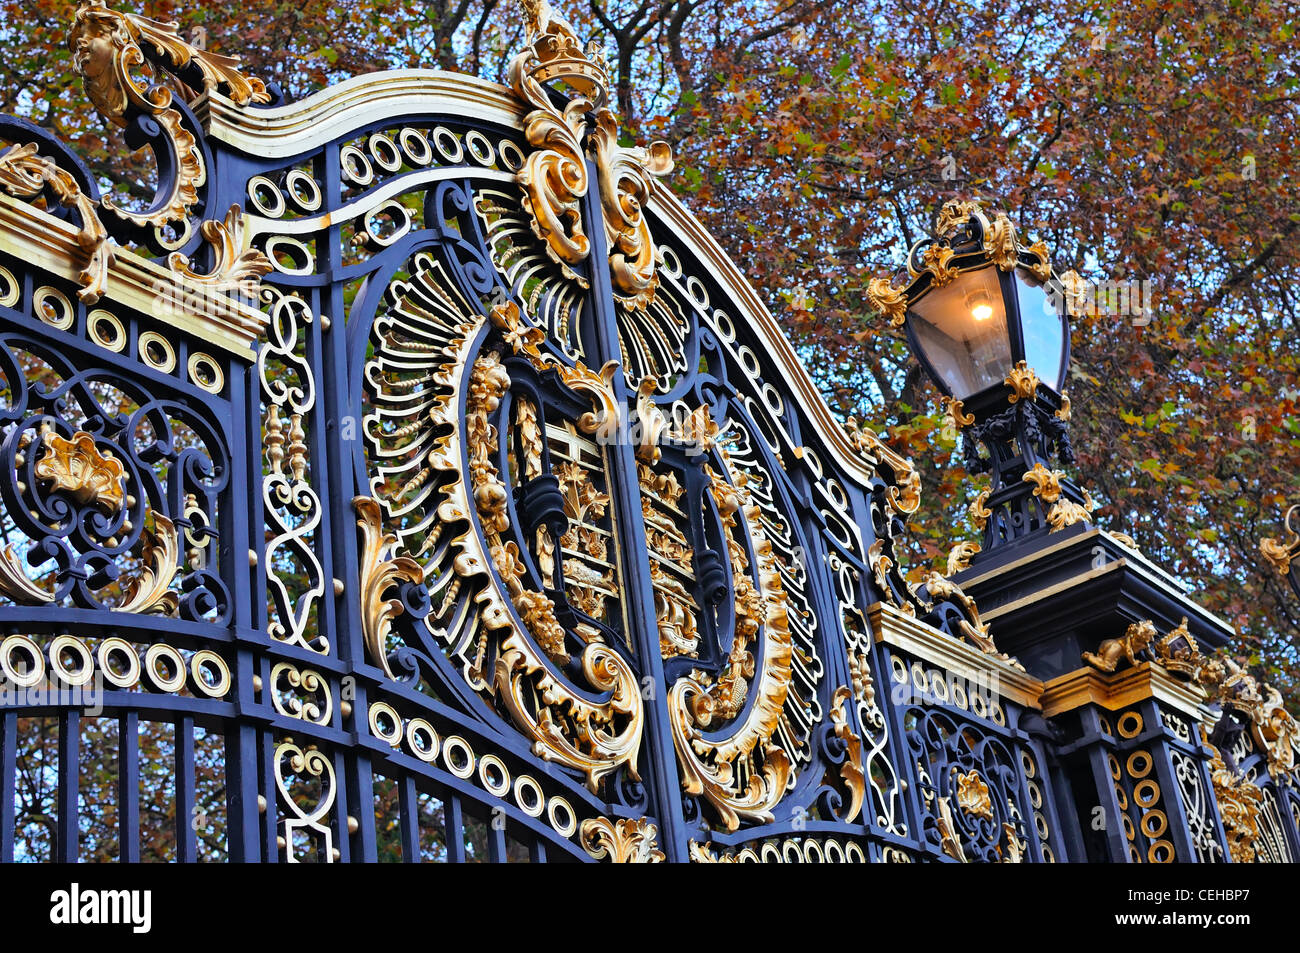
(980, 305)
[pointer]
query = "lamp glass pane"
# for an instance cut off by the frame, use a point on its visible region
(962, 332)
(1043, 329)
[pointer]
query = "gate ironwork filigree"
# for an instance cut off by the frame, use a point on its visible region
(420, 465)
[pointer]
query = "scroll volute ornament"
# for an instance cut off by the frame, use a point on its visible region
(554, 176)
(106, 47)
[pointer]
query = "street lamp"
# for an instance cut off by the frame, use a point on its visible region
(987, 318)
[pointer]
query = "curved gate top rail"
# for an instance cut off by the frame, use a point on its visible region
(413, 477)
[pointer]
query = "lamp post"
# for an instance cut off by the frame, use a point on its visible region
(987, 318)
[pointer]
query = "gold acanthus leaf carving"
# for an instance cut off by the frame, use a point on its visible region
(106, 46)
(626, 185)
(851, 772)
(526, 340)
(1281, 554)
(1023, 382)
(554, 176)
(949, 838)
(234, 267)
(959, 556)
(1239, 802)
(380, 574)
(889, 301)
(745, 774)
(25, 174)
(979, 512)
(624, 841)
(975, 631)
(653, 424)
(904, 492)
(159, 559)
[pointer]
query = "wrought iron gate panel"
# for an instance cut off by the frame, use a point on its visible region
(424, 483)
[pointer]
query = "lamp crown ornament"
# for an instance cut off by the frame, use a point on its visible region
(987, 316)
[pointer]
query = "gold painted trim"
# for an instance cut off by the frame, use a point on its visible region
(51, 244)
(908, 634)
(1086, 686)
(298, 127)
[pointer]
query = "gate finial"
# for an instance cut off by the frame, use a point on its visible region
(557, 53)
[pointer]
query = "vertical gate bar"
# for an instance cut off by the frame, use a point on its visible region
(241, 793)
(361, 793)
(268, 804)
(186, 817)
(454, 830)
(8, 783)
(537, 852)
(660, 758)
(497, 850)
(128, 787)
(66, 840)
(342, 808)
(408, 807)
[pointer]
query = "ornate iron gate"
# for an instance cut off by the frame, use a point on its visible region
(418, 481)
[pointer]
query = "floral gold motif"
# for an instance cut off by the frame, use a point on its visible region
(624, 841)
(379, 574)
(1023, 382)
(973, 795)
(234, 268)
(77, 468)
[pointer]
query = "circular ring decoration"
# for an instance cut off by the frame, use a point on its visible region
(529, 796)
(1139, 764)
(385, 723)
(53, 307)
(978, 705)
(747, 856)
(494, 774)
(511, 155)
(114, 649)
(853, 853)
(999, 714)
(355, 166)
(304, 190)
(812, 852)
(173, 235)
(1161, 852)
(422, 739)
(958, 692)
(1028, 764)
(480, 148)
(211, 673)
(1154, 824)
(156, 657)
(106, 330)
(1129, 724)
(1113, 763)
(448, 145)
(266, 196)
(1146, 793)
(939, 688)
(834, 852)
(206, 372)
(1122, 800)
(415, 146)
(699, 294)
(10, 288)
(899, 669)
(301, 261)
(156, 351)
(386, 155)
(60, 648)
(1129, 832)
(672, 265)
(560, 813)
(459, 756)
(30, 673)
(919, 678)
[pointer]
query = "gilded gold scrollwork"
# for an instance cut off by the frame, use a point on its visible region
(745, 774)
(379, 574)
(554, 176)
(851, 772)
(624, 841)
(235, 267)
(25, 174)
